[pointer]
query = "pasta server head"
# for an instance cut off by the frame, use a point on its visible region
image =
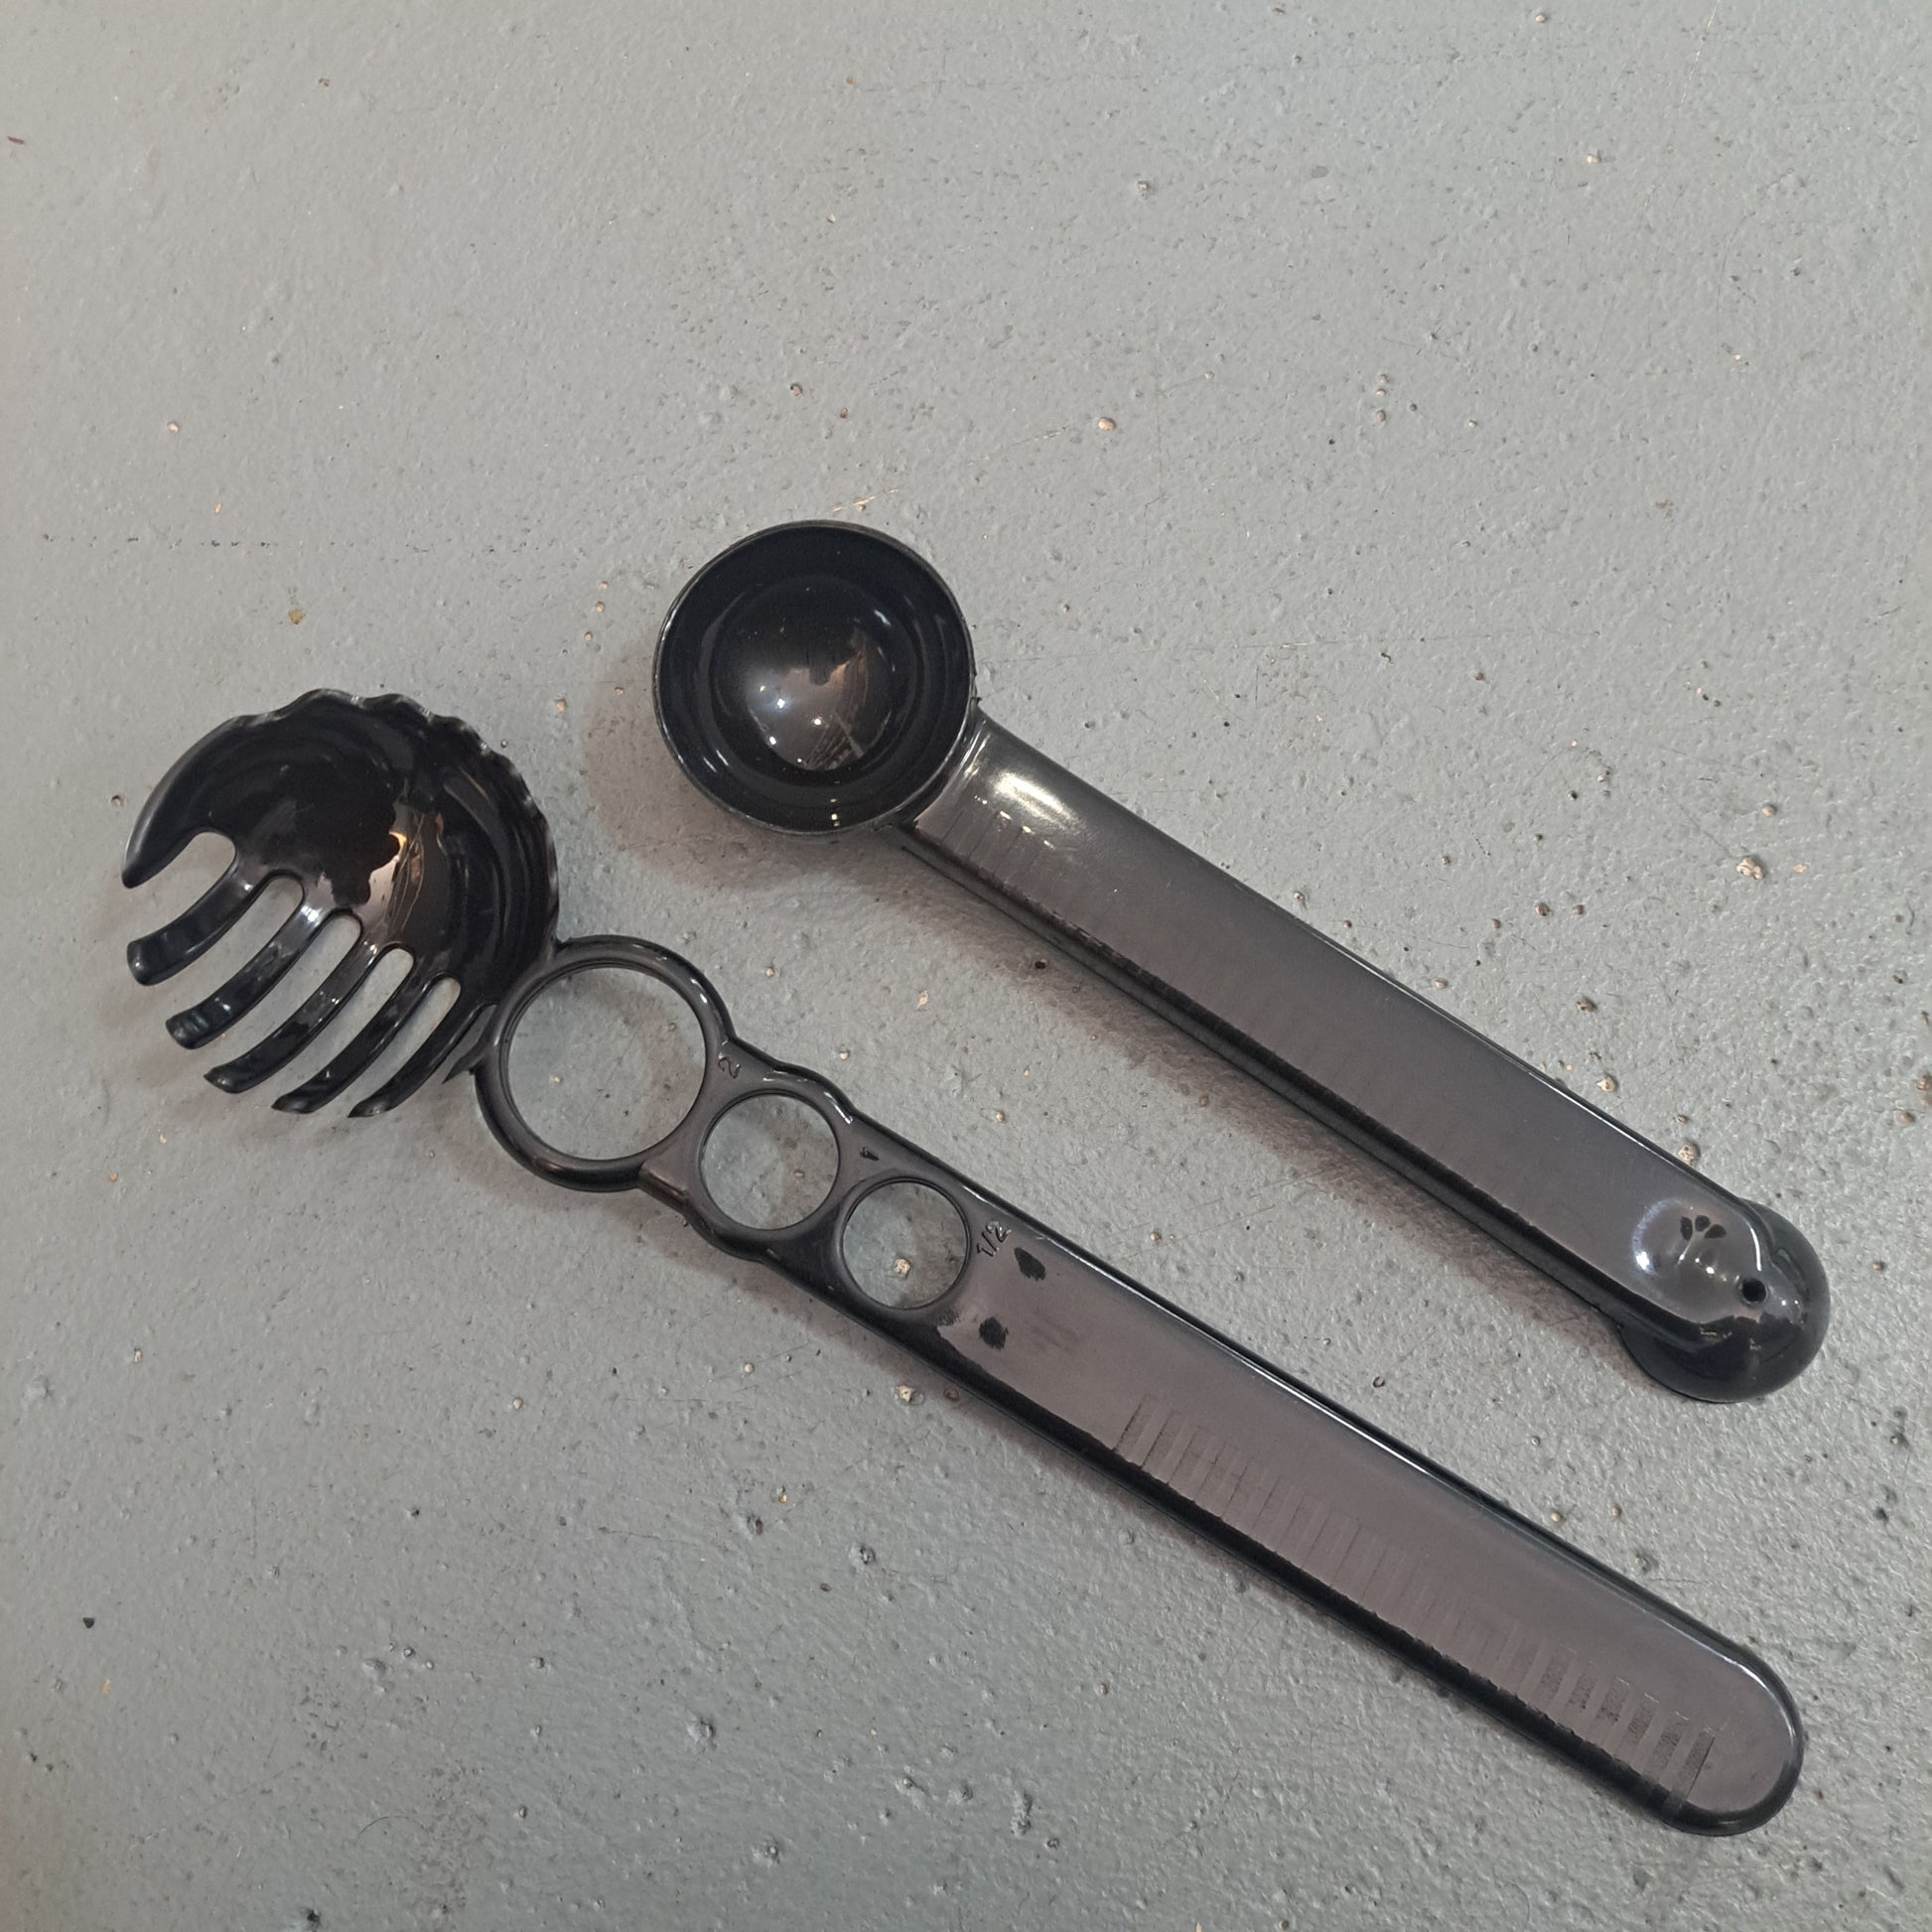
(404, 821)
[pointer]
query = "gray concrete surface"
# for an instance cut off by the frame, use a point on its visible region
(1513, 502)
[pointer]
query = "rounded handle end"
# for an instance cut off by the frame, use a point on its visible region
(1752, 1764)
(1774, 1323)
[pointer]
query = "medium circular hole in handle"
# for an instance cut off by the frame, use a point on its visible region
(769, 1160)
(904, 1244)
(604, 1063)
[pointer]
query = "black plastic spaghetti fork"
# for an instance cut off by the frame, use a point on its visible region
(1694, 1727)
(408, 823)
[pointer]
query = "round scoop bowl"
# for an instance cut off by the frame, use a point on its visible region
(815, 678)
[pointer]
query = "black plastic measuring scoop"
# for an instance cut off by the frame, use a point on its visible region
(817, 677)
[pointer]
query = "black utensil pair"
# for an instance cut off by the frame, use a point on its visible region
(818, 678)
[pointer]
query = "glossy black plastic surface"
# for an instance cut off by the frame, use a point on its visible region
(407, 822)
(1694, 1729)
(1716, 1297)
(810, 677)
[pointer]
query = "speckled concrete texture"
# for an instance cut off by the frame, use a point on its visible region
(1504, 544)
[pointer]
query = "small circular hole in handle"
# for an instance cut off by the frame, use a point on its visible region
(603, 1063)
(770, 1161)
(904, 1244)
(1752, 1291)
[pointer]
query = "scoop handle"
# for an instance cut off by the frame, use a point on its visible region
(1639, 1696)
(1715, 1297)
